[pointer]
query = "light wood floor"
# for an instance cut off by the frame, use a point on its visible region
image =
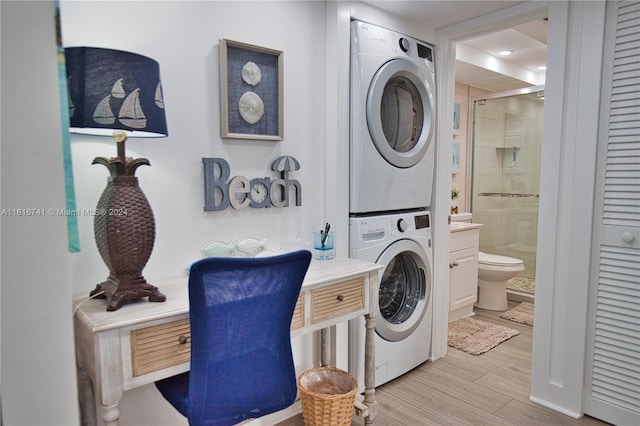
(462, 389)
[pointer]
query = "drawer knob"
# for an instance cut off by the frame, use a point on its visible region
(340, 298)
(183, 339)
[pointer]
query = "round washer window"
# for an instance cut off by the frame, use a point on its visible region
(401, 288)
(404, 290)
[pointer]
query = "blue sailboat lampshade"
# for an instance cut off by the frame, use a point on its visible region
(114, 90)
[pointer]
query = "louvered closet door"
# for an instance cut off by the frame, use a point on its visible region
(613, 358)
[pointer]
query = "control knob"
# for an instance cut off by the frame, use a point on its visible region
(404, 44)
(402, 225)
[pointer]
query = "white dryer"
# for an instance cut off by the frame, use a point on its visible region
(392, 121)
(402, 244)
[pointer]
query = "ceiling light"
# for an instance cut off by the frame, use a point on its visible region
(505, 52)
(542, 68)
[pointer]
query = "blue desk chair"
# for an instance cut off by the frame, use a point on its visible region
(241, 361)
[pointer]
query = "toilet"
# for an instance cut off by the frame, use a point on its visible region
(493, 272)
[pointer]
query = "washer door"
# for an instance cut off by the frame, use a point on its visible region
(405, 290)
(400, 112)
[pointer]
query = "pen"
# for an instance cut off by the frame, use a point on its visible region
(325, 234)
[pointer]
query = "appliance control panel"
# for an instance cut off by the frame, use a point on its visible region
(372, 228)
(377, 40)
(422, 221)
(380, 227)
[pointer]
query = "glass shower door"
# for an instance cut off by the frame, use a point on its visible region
(507, 141)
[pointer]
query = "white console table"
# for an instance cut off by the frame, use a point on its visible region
(114, 356)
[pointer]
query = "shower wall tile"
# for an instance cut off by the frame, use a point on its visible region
(499, 109)
(513, 123)
(511, 163)
(489, 132)
(491, 232)
(532, 131)
(487, 159)
(524, 107)
(513, 132)
(484, 111)
(529, 160)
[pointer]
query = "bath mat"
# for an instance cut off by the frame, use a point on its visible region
(523, 313)
(477, 337)
(523, 284)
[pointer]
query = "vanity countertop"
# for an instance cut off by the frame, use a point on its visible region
(463, 226)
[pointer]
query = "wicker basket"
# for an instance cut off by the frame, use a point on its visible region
(327, 395)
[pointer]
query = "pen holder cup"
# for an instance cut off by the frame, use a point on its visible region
(323, 245)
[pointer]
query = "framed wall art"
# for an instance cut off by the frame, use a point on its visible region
(456, 118)
(251, 95)
(455, 166)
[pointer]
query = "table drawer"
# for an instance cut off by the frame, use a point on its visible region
(298, 314)
(165, 345)
(333, 301)
(160, 346)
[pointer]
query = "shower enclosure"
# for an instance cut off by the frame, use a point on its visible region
(505, 178)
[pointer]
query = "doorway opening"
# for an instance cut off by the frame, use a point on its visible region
(502, 141)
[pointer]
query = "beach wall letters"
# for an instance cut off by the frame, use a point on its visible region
(221, 191)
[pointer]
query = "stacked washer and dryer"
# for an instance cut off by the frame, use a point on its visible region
(391, 181)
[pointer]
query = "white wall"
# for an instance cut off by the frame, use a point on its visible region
(38, 366)
(183, 38)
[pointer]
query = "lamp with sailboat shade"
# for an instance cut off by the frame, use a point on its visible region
(119, 94)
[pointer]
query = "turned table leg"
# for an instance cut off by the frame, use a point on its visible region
(370, 370)
(111, 415)
(325, 337)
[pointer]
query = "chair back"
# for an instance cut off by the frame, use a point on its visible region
(240, 312)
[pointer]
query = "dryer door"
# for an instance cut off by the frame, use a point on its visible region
(405, 290)
(400, 112)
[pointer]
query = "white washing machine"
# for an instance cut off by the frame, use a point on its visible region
(402, 244)
(392, 121)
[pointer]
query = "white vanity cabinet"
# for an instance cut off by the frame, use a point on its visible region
(463, 269)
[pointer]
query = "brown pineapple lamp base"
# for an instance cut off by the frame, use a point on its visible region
(117, 292)
(124, 228)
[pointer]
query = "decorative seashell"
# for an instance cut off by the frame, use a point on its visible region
(251, 73)
(251, 107)
(267, 253)
(218, 248)
(250, 245)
